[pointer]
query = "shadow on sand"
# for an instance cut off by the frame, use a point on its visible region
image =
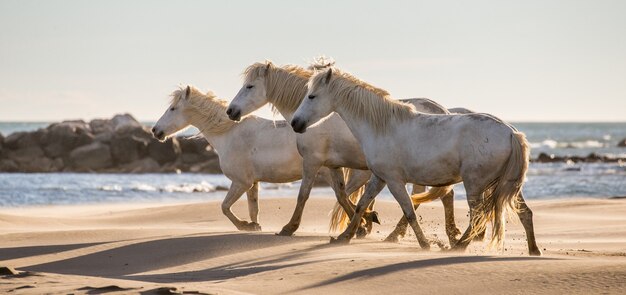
(162, 253)
(21, 252)
(417, 264)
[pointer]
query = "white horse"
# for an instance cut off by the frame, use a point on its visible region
(327, 144)
(403, 146)
(250, 151)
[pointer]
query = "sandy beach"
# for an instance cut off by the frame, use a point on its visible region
(156, 248)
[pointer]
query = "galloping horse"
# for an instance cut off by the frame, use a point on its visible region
(402, 145)
(250, 151)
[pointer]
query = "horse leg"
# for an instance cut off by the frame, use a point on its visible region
(253, 205)
(358, 178)
(338, 185)
(398, 190)
(526, 217)
(309, 172)
(448, 208)
(373, 187)
(473, 200)
(481, 236)
(400, 229)
(234, 193)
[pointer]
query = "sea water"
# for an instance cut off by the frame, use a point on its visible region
(544, 180)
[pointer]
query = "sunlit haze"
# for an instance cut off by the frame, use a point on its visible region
(522, 61)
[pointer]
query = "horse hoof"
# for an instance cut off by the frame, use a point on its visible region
(425, 247)
(392, 239)
(339, 241)
(285, 233)
(361, 233)
(253, 226)
(535, 252)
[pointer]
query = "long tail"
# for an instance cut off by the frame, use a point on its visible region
(501, 195)
(339, 219)
(432, 194)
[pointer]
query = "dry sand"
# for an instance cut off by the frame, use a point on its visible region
(154, 248)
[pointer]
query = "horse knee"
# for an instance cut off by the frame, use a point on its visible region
(225, 208)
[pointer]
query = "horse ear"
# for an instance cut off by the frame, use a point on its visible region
(328, 74)
(187, 92)
(268, 66)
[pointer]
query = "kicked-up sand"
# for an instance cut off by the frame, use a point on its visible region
(193, 248)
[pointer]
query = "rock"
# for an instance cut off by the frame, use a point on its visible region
(125, 149)
(593, 157)
(61, 138)
(41, 164)
(8, 165)
(164, 152)
(26, 154)
(125, 121)
(19, 140)
(544, 158)
(91, 157)
(145, 165)
(210, 166)
(622, 143)
(195, 145)
(1, 139)
(99, 126)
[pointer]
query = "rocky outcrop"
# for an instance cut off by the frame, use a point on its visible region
(119, 144)
(591, 158)
(622, 143)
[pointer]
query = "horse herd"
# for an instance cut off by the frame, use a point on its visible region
(359, 139)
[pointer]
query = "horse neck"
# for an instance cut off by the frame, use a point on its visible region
(286, 99)
(360, 128)
(218, 140)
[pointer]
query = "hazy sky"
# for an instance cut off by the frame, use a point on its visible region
(529, 60)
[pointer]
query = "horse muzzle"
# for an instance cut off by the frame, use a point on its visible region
(298, 125)
(233, 114)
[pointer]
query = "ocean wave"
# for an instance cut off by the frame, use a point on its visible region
(110, 188)
(203, 187)
(553, 144)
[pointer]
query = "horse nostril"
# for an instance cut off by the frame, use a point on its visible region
(153, 130)
(294, 122)
(229, 111)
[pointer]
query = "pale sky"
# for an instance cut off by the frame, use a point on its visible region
(524, 61)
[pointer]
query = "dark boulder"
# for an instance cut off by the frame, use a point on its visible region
(18, 140)
(164, 152)
(94, 156)
(622, 143)
(545, 158)
(125, 121)
(126, 149)
(61, 138)
(210, 166)
(8, 165)
(99, 126)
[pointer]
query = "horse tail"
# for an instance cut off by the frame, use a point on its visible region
(339, 219)
(432, 194)
(501, 195)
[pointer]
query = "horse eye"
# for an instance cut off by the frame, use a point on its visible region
(311, 96)
(172, 109)
(250, 86)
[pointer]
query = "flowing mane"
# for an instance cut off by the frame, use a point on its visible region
(285, 86)
(363, 100)
(205, 110)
